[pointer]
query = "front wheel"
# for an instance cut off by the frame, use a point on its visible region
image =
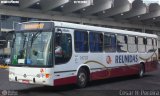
(82, 78)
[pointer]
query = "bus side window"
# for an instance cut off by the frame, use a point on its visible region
(121, 43)
(136, 40)
(132, 46)
(65, 52)
(149, 45)
(155, 43)
(96, 42)
(109, 42)
(81, 41)
(144, 41)
(141, 45)
(125, 39)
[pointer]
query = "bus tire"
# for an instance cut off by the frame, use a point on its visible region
(82, 78)
(141, 71)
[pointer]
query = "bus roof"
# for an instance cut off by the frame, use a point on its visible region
(95, 28)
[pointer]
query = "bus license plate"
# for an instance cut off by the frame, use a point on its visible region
(25, 81)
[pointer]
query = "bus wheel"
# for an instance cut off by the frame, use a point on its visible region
(82, 78)
(141, 71)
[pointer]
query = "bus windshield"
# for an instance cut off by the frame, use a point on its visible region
(31, 49)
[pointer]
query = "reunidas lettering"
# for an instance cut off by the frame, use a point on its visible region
(126, 58)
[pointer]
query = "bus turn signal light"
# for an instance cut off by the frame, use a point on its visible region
(47, 75)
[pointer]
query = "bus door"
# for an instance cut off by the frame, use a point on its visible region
(63, 47)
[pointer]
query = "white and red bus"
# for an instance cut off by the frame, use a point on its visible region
(85, 53)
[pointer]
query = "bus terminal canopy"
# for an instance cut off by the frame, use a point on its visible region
(136, 14)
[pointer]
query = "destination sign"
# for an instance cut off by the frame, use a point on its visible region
(34, 26)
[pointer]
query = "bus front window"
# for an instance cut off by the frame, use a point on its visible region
(31, 49)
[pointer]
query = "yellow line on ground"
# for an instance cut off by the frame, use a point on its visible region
(4, 66)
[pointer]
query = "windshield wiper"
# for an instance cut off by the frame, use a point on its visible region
(24, 41)
(34, 37)
(14, 38)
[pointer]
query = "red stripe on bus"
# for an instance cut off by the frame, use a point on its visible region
(109, 73)
(64, 81)
(124, 71)
(115, 72)
(151, 66)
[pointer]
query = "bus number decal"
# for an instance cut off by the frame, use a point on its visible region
(83, 58)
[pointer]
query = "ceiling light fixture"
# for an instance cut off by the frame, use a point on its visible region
(37, 3)
(122, 14)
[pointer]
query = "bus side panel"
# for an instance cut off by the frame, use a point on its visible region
(65, 81)
(116, 72)
(124, 70)
(100, 75)
(151, 66)
(114, 68)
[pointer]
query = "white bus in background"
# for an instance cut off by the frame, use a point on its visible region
(86, 53)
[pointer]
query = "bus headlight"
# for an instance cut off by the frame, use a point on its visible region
(43, 75)
(40, 75)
